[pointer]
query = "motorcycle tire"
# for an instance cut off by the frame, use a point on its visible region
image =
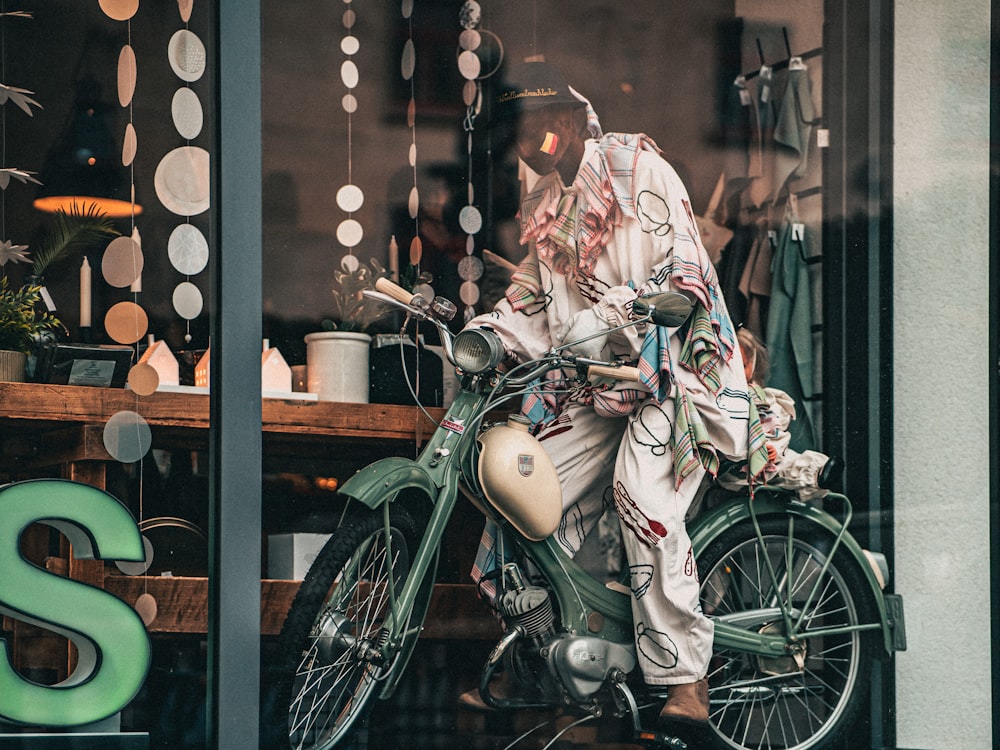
(327, 672)
(758, 702)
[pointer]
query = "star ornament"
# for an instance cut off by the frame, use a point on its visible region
(17, 95)
(12, 252)
(6, 173)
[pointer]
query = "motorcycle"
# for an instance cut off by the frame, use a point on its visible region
(799, 608)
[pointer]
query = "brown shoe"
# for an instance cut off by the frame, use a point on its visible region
(688, 704)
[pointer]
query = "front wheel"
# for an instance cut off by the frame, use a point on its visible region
(331, 648)
(801, 702)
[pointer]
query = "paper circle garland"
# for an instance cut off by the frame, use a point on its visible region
(126, 322)
(181, 181)
(350, 198)
(126, 75)
(127, 436)
(187, 249)
(119, 10)
(143, 379)
(350, 233)
(122, 262)
(130, 568)
(187, 300)
(186, 54)
(186, 111)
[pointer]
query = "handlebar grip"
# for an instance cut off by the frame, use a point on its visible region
(623, 372)
(395, 291)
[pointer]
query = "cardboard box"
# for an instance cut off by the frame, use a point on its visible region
(290, 555)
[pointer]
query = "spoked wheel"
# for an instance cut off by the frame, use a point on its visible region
(797, 702)
(331, 645)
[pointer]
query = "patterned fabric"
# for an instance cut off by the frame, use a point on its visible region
(571, 228)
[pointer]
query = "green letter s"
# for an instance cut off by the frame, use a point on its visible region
(113, 645)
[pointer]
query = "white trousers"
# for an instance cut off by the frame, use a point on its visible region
(626, 461)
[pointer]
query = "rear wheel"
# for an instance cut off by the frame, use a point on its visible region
(330, 655)
(802, 702)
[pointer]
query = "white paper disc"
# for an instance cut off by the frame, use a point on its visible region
(184, 7)
(188, 116)
(137, 568)
(350, 198)
(413, 155)
(350, 45)
(469, 39)
(470, 220)
(349, 18)
(130, 144)
(470, 268)
(127, 436)
(350, 233)
(145, 607)
(119, 10)
(469, 292)
(349, 103)
(349, 74)
(424, 290)
(414, 202)
(182, 181)
(469, 65)
(409, 60)
(126, 75)
(187, 249)
(187, 300)
(406, 8)
(122, 262)
(186, 54)
(349, 263)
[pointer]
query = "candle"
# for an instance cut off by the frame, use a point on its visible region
(393, 259)
(85, 293)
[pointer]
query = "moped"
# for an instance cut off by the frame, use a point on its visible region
(798, 606)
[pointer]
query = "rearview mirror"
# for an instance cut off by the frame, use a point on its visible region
(667, 309)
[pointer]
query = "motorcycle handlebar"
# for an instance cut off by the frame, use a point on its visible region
(618, 372)
(391, 289)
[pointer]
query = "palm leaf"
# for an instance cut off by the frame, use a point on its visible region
(71, 233)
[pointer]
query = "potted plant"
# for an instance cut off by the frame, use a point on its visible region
(337, 355)
(23, 323)
(22, 327)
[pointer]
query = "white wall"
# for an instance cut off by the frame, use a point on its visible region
(941, 371)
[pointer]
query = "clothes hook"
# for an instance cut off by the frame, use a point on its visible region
(788, 46)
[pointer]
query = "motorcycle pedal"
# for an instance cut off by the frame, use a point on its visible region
(660, 740)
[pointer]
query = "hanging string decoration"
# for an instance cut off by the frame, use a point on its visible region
(350, 197)
(470, 219)
(182, 176)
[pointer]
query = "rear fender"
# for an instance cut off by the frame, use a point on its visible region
(708, 526)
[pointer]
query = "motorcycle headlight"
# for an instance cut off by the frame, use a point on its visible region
(477, 350)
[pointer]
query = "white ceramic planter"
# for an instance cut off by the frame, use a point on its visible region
(337, 365)
(12, 366)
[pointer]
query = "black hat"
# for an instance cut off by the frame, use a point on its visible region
(531, 86)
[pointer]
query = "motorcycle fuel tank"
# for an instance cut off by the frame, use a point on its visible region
(519, 478)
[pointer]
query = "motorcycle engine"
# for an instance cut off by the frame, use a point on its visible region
(580, 663)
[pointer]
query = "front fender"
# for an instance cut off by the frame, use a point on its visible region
(708, 526)
(381, 480)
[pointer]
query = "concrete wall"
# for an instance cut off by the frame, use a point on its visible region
(941, 371)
